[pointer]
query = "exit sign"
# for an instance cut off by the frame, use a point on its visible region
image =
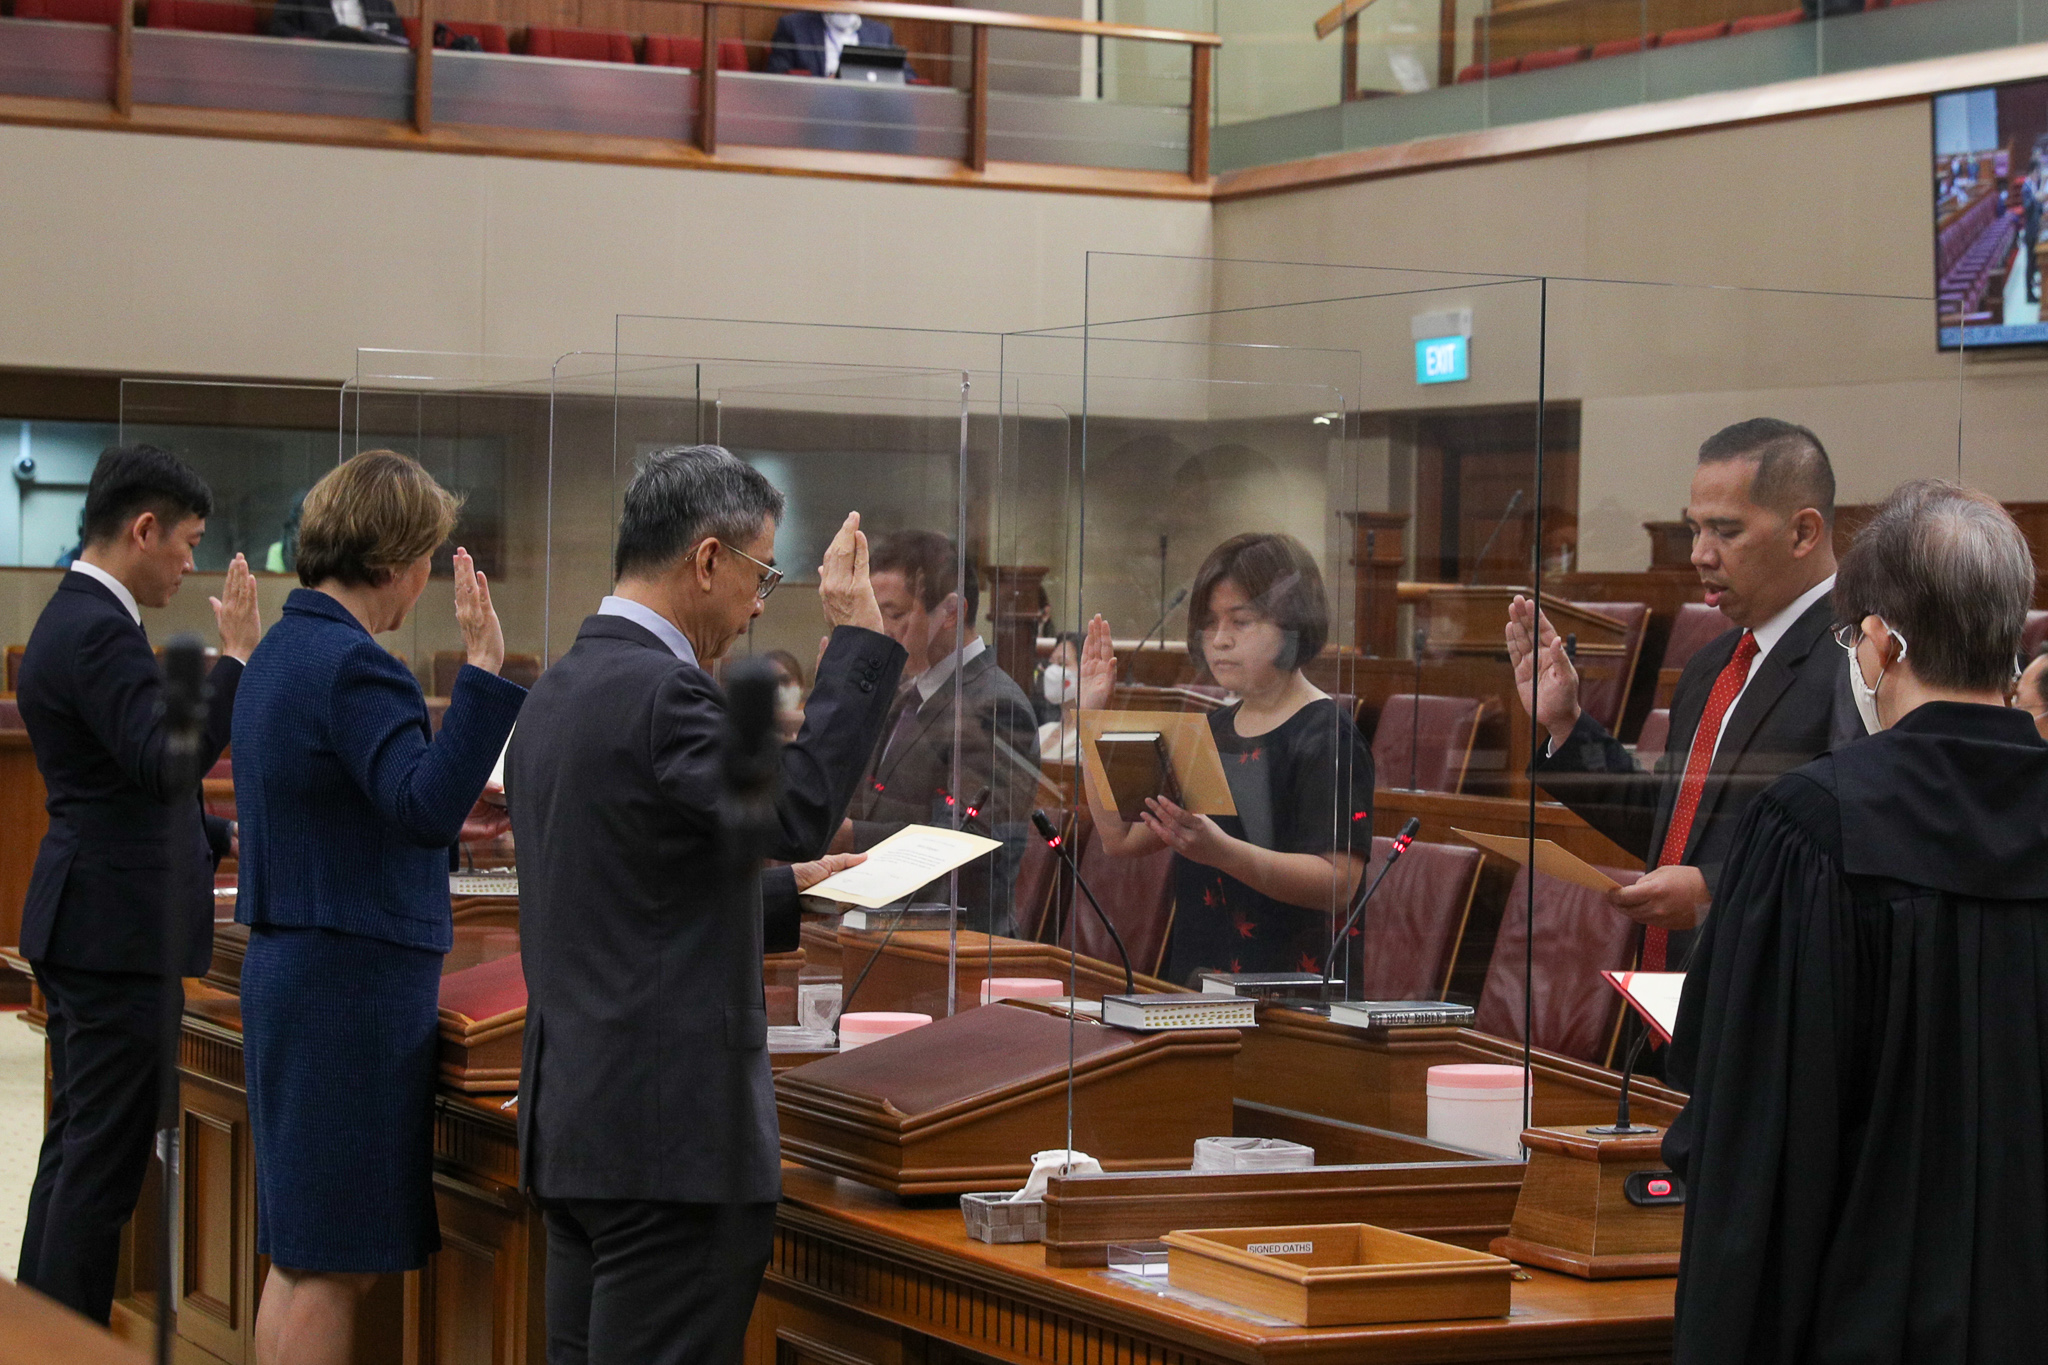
(1441, 360)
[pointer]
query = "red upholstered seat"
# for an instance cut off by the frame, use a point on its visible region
(1412, 928)
(490, 991)
(1656, 733)
(1698, 625)
(584, 44)
(2034, 634)
(1578, 936)
(1757, 23)
(520, 668)
(1556, 56)
(206, 16)
(490, 37)
(1606, 681)
(1698, 33)
(106, 12)
(1136, 892)
(1424, 742)
(10, 714)
(1621, 47)
(1506, 66)
(662, 49)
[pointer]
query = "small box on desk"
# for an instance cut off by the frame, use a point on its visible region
(1339, 1274)
(1600, 1207)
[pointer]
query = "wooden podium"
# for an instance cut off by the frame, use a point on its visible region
(961, 1104)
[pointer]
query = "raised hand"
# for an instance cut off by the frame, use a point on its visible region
(1545, 679)
(843, 586)
(234, 612)
(483, 639)
(1098, 667)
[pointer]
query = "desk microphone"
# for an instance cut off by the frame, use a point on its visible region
(751, 762)
(1180, 595)
(1401, 842)
(1047, 832)
(1621, 1127)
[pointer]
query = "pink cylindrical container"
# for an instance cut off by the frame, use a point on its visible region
(1477, 1105)
(861, 1028)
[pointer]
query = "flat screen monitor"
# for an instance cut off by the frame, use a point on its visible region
(1990, 187)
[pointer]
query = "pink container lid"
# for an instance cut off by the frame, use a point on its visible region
(881, 1023)
(1022, 988)
(1476, 1076)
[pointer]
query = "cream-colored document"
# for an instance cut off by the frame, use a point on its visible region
(1551, 859)
(903, 862)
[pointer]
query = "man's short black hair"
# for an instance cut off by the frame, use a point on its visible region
(684, 495)
(131, 480)
(1792, 467)
(930, 566)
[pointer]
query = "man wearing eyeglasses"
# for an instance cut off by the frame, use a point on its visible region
(1762, 699)
(647, 1127)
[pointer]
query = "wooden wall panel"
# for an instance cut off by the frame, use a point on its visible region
(22, 823)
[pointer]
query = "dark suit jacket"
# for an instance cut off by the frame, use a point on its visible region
(91, 696)
(349, 801)
(315, 19)
(799, 42)
(646, 1066)
(910, 782)
(1797, 706)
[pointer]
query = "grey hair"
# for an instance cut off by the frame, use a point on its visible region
(684, 495)
(1945, 566)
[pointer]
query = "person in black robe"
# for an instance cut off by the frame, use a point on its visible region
(1865, 1034)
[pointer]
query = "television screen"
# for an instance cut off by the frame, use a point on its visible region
(1990, 186)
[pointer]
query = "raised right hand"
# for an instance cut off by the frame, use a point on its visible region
(843, 586)
(1098, 668)
(1534, 646)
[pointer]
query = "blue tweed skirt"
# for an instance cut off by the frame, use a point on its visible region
(339, 1044)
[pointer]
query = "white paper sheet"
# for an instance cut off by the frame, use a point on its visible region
(1654, 994)
(903, 862)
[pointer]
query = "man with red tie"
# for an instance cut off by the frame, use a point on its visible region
(1762, 699)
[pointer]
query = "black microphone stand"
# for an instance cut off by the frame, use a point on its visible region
(186, 692)
(1401, 842)
(1180, 595)
(1499, 526)
(1621, 1127)
(1046, 831)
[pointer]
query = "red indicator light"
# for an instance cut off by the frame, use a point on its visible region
(1658, 1188)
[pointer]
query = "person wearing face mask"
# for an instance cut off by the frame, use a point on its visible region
(1060, 684)
(808, 43)
(1256, 891)
(789, 693)
(954, 696)
(1759, 701)
(1863, 1147)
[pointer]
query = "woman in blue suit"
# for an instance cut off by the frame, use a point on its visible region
(348, 804)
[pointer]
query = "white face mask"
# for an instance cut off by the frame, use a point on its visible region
(1060, 685)
(1866, 693)
(789, 697)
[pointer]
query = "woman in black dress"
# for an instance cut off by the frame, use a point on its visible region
(1257, 891)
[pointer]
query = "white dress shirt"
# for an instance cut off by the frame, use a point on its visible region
(933, 678)
(349, 13)
(663, 628)
(114, 586)
(1767, 636)
(840, 30)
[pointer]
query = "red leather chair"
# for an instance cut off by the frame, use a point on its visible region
(2032, 636)
(205, 16)
(523, 669)
(1555, 57)
(662, 49)
(1604, 692)
(10, 714)
(490, 37)
(1697, 626)
(1656, 733)
(105, 12)
(1412, 928)
(1621, 47)
(1491, 71)
(1038, 874)
(583, 44)
(1426, 740)
(1578, 935)
(1698, 33)
(1757, 23)
(1137, 893)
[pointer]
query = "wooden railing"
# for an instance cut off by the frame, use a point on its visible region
(980, 22)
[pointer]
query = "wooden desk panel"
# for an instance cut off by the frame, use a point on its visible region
(23, 822)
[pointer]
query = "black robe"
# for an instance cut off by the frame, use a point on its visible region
(1865, 1039)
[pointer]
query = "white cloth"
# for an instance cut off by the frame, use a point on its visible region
(1767, 636)
(840, 30)
(1057, 743)
(1057, 1161)
(348, 13)
(934, 677)
(663, 628)
(114, 586)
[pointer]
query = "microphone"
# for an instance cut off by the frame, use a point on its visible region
(1047, 832)
(1401, 842)
(1180, 595)
(751, 764)
(1621, 1127)
(1513, 503)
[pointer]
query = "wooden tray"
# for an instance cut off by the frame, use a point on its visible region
(1339, 1274)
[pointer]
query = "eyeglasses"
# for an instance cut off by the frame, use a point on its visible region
(770, 575)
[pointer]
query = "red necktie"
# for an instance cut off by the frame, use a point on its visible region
(1694, 783)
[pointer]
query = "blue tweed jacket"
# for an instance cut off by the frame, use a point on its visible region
(348, 801)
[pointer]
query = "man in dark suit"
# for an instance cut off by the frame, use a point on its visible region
(126, 842)
(1762, 699)
(806, 41)
(929, 608)
(647, 1118)
(349, 21)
